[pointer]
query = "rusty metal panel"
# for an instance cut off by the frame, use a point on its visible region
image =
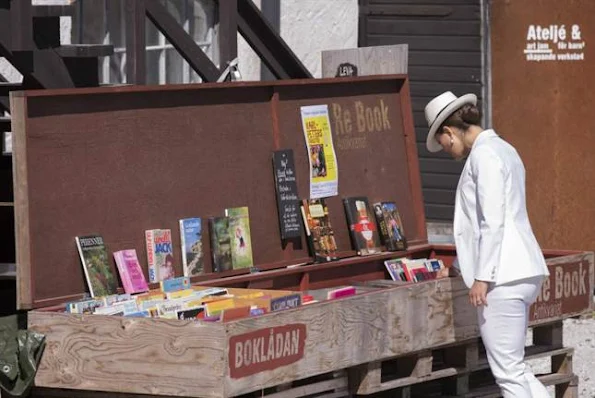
(542, 79)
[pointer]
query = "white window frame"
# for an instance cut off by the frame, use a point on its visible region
(114, 25)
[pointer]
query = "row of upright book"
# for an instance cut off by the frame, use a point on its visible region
(231, 244)
(231, 248)
(370, 231)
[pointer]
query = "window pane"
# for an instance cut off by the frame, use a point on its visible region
(151, 33)
(153, 66)
(174, 64)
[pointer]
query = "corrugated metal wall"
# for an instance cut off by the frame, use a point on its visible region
(445, 53)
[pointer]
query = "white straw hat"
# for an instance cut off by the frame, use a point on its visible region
(439, 109)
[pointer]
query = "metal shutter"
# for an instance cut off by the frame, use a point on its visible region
(445, 53)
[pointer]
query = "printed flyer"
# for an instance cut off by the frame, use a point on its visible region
(324, 175)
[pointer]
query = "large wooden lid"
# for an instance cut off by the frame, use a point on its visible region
(117, 161)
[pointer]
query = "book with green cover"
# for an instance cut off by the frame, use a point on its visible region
(239, 232)
(96, 266)
(220, 243)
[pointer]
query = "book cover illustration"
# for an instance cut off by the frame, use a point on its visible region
(131, 273)
(362, 226)
(319, 232)
(160, 255)
(220, 244)
(395, 269)
(241, 242)
(192, 252)
(391, 226)
(94, 258)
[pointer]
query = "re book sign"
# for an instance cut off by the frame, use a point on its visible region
(266, 349)
(567, 290)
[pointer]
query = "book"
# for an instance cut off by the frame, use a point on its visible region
(319, 231)
(362, 226)
(175, 284)
(87, 306)
(131, 274)
(391, 226)
(160, 255)
(395, 269)
(220, 243)
(239, 232)
(195, 314)
(341, 292)
(101, 281)
(191, 242)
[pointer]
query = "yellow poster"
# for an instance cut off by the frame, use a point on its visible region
(324, 175)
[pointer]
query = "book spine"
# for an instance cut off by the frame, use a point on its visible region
(151, 264)
(183, 246)
(347, 204)
(309, 236)
(384, 235)
(214, 245)
(137, 279)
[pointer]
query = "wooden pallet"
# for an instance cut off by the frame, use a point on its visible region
(330, 385)
(462, 370)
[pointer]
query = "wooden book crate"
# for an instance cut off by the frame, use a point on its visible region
(117, 161)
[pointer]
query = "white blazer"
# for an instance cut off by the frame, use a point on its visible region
(493, 236)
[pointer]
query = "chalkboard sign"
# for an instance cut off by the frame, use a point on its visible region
(287, 194)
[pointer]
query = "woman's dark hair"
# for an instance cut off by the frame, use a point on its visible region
(462, 118)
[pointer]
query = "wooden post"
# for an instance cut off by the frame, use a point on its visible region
(228, 32)
(135, 42)
(365, 378)
(550, 335)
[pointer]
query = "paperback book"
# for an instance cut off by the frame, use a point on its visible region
(96, 266)
(220, 243)
(160, 256)
(319, 232)
(391, 226)
(362, 226)
(240, 238)
(192, 251)
(131, 274)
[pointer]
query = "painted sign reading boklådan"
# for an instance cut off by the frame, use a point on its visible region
(266, 349)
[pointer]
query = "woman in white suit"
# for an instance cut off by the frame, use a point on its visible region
(497, 253)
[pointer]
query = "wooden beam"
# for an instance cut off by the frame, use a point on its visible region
(136, 70)
(21, 21)
(228, 31)
(267, 43)
(182, 41)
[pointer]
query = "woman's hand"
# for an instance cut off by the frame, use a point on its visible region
(478, 293)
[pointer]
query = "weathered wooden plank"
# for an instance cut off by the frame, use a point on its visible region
(130, 355)
(400, 321)
(18, 110)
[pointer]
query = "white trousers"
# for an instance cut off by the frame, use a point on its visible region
(503, 326)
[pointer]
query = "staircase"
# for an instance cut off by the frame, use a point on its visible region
(30, 41)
